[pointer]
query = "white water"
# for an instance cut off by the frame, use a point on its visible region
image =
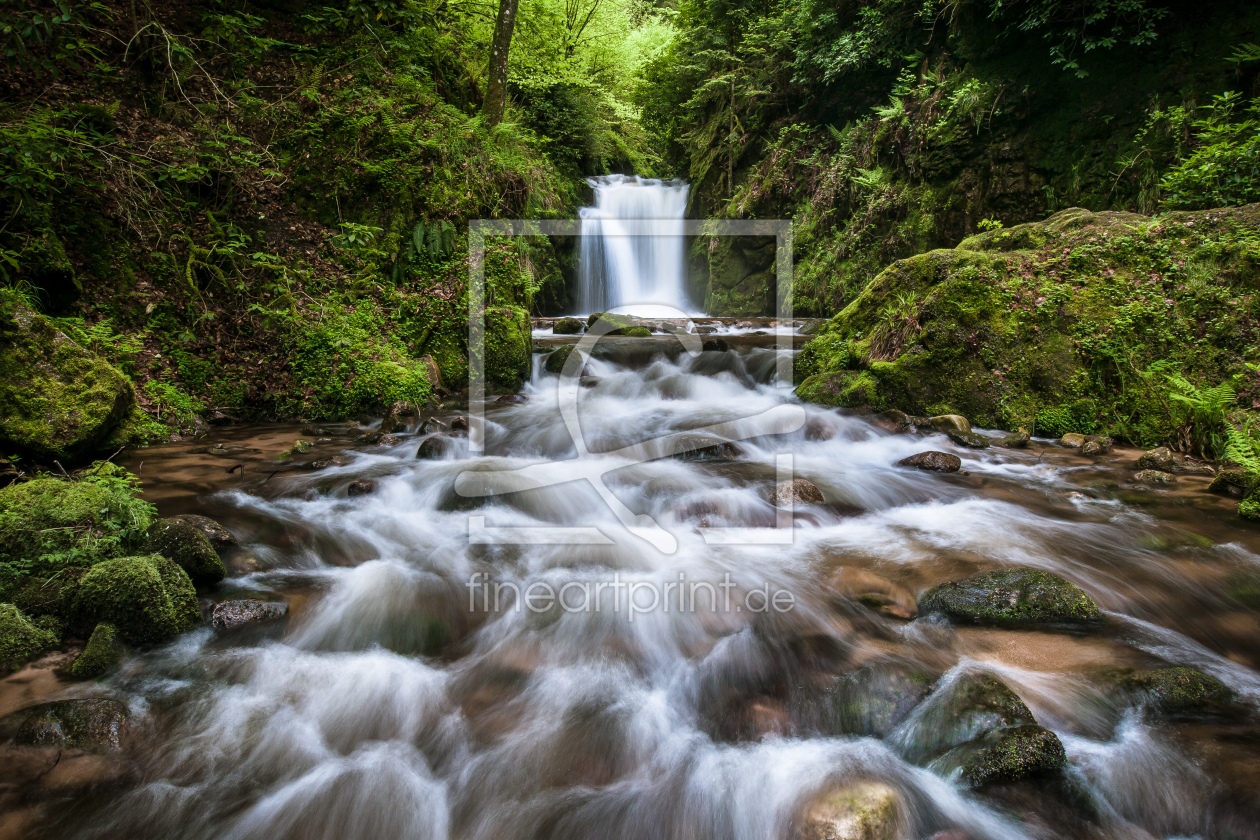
(632, 257)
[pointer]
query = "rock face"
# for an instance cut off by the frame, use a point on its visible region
(1012, 597)
(91, 725)
(863, 811)
(1160, 458)
(932, 461)
(220, 538)
(102, 653)
(1154, 477)
(798, 491)
(189, 548)
(1015, 753)
(20, 638)
(227, 614)
(57, 400)
(149, 598)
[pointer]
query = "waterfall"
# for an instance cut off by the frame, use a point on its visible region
(632, 247)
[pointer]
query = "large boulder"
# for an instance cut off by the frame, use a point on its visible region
(1012, 597)
(57, 400)
(189, 548)
(20, 638)
(148, 598)
(1008, 755)
(90, 725)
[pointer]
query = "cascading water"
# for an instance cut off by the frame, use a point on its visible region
(632, 247)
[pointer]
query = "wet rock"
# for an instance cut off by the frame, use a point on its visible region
(932, 461)
(590, 381)
(395, 419)
(798, 491)
(148, 598)
(971, 440)
(877, 592)
(691, 447)
(389, 440)
(431, 425)
(228, 614)
(459, 424)
(874, 699)
(301, 447)
(103, 651)
(567, 326)
(862, 811)
(894, 421)
(1178, 690)
(950, 423)
(637, 332)
(1015, 753)
(1235, 483)
(554, 363)
(361, 487)
(89, 725)
(57, 400)
(705, 330)
(435, 447)
(715, 345)
(1012, 597)
(1095, 447)
(21, 639)
(1160, 458)
(1072, 440)
(220, 538)
(370, 438)
(1154, 477)
(1016, 440)
(189, 548)
(513, 399)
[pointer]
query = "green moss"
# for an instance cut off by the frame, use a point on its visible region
(48, 524)
(1178, 690)
(189, 548)
(57, 401)
(638, 332)
(20, 638)
(555, 360)
(1015, 753)
(567, 326)
(508, 345)
(101, 653)
(1250, 508)
(148, 598)
(1012, 597)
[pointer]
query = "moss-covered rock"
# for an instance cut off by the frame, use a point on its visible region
(1005, 328)
(102, 653)
(189, 548)
(554, 363)
(1178, 690)
(508, 343)
(1236, 483)
(1012, 597)
(1015, 753)
(48, 524)
(148, 598)
(20, 638)
(57, 400)
(567, 326)
(1250, 508)
(221, 538)
(874, 699)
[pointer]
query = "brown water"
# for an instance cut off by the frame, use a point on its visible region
(346, 721)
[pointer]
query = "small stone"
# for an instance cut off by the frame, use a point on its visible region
(971, 440)
(1015, 753)
(862, 811)
(589, 381)
(389, 440)
(932, 461)
(1012, 597)
(395, 418)
(227, 614)
(1072, 440)
(1154, 477)
(1016, 440)
(301, 447)
(361, 487)
(435, 447)
(1160, 458)
(798, 491)
(370, 438)
(947, 423)
(89, 725)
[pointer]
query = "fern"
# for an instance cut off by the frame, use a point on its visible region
(1203, 427)
(417, 238)
(1243, 447)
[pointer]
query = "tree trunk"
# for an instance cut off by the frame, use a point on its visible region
(496, 90)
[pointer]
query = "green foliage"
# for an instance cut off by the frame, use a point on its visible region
(47, 42)
(1203, 415)
(1079, 417)
(1224, 168)
(171, 405)
(1079, 26)
(20, 638)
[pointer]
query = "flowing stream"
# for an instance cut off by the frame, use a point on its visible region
(384, 707)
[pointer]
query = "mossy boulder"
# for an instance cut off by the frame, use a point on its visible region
(507, 344)
(1013, 598)
(638, 332)
(554, 363)
(57, 400)
(189, 548)
(961, 708)
(1008, 755)
(48, 524)
(874, 699)
(1178, 690)
(91, 725)
(221, 538)
(20, 638)
(102, 653)
(1250, 508)
(567, 326)
(1004, 328)
(148, 598)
